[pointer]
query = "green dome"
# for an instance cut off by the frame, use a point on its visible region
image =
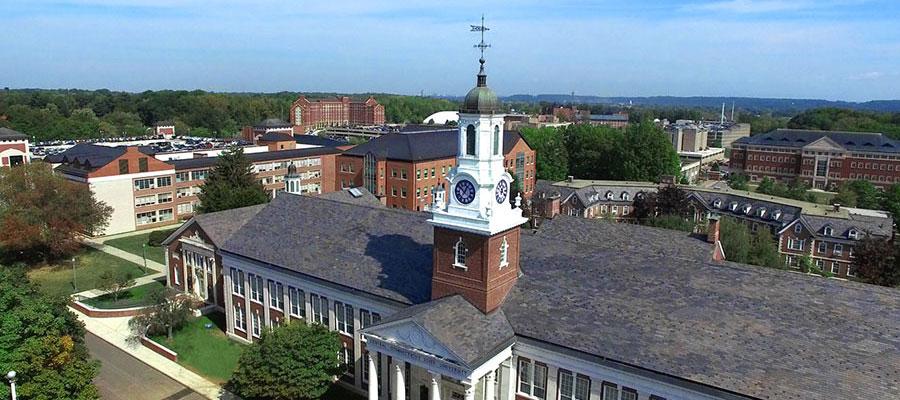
(481, 100)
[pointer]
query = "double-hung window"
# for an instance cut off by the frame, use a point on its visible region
(838, 249)
(256, 288)
(319, 308)
(795, 244)
(276, 295)
(298, 302)
(532, 378)
(629, 394)
(823, 247)
(237, 282)
(256, 324)
(609, 391)
(343, 315)
(368, 318)
(240, 319)
(573, 386)
(348, 362)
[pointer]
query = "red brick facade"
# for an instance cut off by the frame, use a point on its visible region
(307, 115)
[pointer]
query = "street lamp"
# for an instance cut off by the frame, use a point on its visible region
(11, 376)
(144, 249)
(74, 277)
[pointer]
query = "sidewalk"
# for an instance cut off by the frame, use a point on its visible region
(116, 332)
(89, 294)
(124, 255)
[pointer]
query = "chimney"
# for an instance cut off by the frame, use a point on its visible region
(552, 207)
(570, 179)
(837, 207)
(712, 229)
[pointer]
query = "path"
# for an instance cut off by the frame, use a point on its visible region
(98, 244)
(123, 377)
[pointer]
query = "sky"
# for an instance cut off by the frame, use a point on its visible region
(822, 49)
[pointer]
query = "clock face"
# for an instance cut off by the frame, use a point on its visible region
(502, 191)
(465, 192)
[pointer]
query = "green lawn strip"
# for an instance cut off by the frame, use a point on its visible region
(56, 279)
(134, 244)
(207, 352)
(133, 297)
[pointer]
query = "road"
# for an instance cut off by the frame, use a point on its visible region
(123, 377)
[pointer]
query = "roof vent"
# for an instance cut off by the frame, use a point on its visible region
(355, 192)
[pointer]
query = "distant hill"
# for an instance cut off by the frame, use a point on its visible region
(744, 103)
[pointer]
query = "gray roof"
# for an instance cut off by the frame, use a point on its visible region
(276, 137)
(377, 250)
(841, 227)
(420, 145)
(459, 326)
(272, 123)
(722, 203)
(9, 134)
(202, 162)
(220, 225)
(797, 138)
(356, 195)
(91, 155)
(314, 140)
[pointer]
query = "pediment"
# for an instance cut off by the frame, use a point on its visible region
(824, 144)
(410, 334)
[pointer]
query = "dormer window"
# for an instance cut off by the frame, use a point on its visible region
(459, 254)
(746, 209)
(798, 228)
(853, 234)
(624, 196)
(717, 203)
(762, 212)
(504, 253)
(776, 215)
(470, 140)
(827, 231)
(609, 195)
(733, 206)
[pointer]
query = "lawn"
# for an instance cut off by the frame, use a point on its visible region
(56, 279)
(207, 352)
(134, 244)
(135, 297)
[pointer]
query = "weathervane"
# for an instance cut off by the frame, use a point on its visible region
(481, 45)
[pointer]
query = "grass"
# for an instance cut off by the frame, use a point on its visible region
(135, 297)
(56, 279)
(207, 352)
(134, 244)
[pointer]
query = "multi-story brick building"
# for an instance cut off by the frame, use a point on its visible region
(266, 126)
(821, 159)
(13, 148)
(404, 168)
(307, 115)
(826, 234)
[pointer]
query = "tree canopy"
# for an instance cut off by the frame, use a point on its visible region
(294, 361)
(740, 245)
(41, 213)
(876, 262)
(231, 184)
(43, 342)
(839, 119)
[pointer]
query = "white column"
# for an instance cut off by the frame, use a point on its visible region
(470, 391)
(400, 392)
(373, 377)
(489, 386)
(435, 386)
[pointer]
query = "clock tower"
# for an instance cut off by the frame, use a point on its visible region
(476, 229)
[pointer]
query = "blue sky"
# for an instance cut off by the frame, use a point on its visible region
(841, 49)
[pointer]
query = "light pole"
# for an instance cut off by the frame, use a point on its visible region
(11, 376)
(74, 277)
(144, 249)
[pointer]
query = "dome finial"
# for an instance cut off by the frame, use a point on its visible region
(482, 76)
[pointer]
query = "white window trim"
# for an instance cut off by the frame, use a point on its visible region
(504, 253)
(456, 254)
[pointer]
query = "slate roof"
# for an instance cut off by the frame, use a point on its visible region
(840, 226)
(202, 162)
(276, 137)
(313, 140)
(420, 145)
(361, 197)
(91, 155)
(9, 134)
(459, 326)
(721, 202)
(219, 226)
(377, 250)
(797, 138)
(272, 123)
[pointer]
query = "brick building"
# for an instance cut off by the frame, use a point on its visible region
(821, 159)
(404, 168)
(307, 115)
(266, 126)
(13, 148)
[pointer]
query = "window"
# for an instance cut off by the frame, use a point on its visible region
(164, 181)
(348, 363)
(146, 218)
(470, 140)
(418, 174)
(175, 276)
(497, 140)
(319, 306)
(182, 177)
(402, 173)
(368, 318)
(365, 367)
(166, 215)
(798, 228)
(823, 247)
(183, 192)
(393, 172)
(532, 378)
(343, 316)
(851, 270)
(123, 167)
(185, 208)
(276, 295)
(256, 288)
(237, 282)
(838, 249)
(629, 394)
(164, 197)
(504, 250)
(609, 392)
(432, 172)
(573, 387)
(142, 184)
(199, 175)
(853, 234)
(835, 268)
(144, 201)
(403, 192)
(298, 302)
(255, 324)
(460, 252)
(240, 319)
(142, 164)
(827, 231)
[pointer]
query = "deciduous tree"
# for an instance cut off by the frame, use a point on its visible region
(231, 184)
(876, 262)
(168, 313)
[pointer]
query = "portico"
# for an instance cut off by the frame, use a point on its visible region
(198, 267)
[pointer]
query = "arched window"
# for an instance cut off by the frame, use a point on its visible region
(828, 231)
(504, 253)
(470, 140)
(497, 140)
(460, 251)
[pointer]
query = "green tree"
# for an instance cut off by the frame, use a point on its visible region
(595, 152)
(43, 342)
(295, 361)
(890, 200)
(735, 239)
(672, 200)
(845, 197)
(766, 186)
(115, 283)
(738, 182)
(867, 195)
(550, 147)
(231, 184)
(648, 153)
(876, 262)
(42, 214)
(168, 313)
(763, 250)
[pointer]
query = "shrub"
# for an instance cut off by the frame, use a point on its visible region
(156, 237)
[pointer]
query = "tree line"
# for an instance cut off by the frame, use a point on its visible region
(641, 152)
(86, 114)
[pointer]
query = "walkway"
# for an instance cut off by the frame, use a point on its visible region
(89, 294)
(98, 244)
(116, 332)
